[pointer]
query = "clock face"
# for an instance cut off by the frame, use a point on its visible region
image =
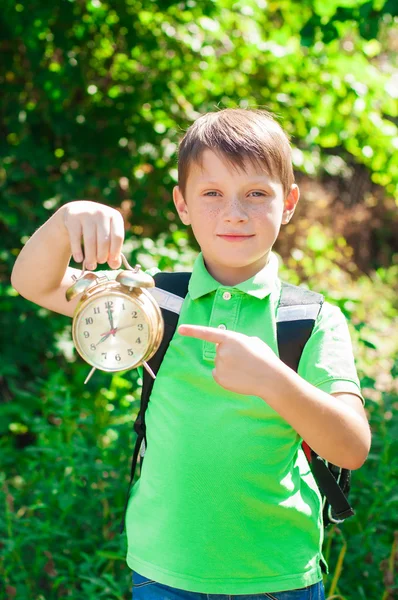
(112, 332)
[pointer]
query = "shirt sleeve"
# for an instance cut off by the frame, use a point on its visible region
(327, 361)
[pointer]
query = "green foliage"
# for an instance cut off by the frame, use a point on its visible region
(326, 20)
(95, 98)
(61, 498)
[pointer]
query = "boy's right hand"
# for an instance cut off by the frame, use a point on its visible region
(99, 227)
(42, 273)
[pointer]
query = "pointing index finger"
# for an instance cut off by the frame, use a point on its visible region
(210, 334)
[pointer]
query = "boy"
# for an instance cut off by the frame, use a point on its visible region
(226, 504)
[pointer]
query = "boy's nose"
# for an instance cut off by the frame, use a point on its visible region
(235, 211)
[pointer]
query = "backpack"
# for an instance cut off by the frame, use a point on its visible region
(297, 311)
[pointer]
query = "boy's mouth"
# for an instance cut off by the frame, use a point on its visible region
(234, 237)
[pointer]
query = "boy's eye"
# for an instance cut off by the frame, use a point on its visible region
(258, 193)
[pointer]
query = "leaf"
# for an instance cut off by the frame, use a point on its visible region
(110, 555)
(316, 240)
(368, 344)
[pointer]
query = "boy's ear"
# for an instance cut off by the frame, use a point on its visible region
(290, 204)
(181, 205)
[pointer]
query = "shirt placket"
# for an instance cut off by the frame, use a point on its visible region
(224, 316)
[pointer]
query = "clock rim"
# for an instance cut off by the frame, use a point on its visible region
(135, 295)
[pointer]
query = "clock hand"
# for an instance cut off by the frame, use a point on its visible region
(105, 337)
(110, 317)
(114, 331)
(124, 327)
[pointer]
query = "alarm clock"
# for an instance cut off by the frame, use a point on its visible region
(117, 324)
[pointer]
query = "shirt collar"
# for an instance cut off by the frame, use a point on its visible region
(260, 285)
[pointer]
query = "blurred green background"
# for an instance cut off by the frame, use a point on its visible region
(94, 99)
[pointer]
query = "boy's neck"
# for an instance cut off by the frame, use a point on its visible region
(231, 276)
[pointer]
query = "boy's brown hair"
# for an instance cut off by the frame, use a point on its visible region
(238, 135)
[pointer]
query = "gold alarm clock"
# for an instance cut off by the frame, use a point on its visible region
(117, 324)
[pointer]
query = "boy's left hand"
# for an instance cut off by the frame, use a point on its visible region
(243, 363)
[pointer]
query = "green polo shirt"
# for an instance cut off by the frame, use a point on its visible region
(226, 502)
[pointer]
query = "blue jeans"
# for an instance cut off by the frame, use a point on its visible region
(147, 589)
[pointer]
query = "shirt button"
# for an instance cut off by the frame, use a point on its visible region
(226, 296)
(222, 326)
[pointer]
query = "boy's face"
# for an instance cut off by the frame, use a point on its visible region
(235, 216)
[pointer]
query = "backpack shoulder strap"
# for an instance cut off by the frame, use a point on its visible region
(295, 319)
(297, 312)
(169, 291)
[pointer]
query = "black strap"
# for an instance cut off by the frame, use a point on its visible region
(293, 334)
(177, 283)
(330, 489)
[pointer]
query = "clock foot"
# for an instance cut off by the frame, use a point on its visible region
(148, 368)
(89, 375)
